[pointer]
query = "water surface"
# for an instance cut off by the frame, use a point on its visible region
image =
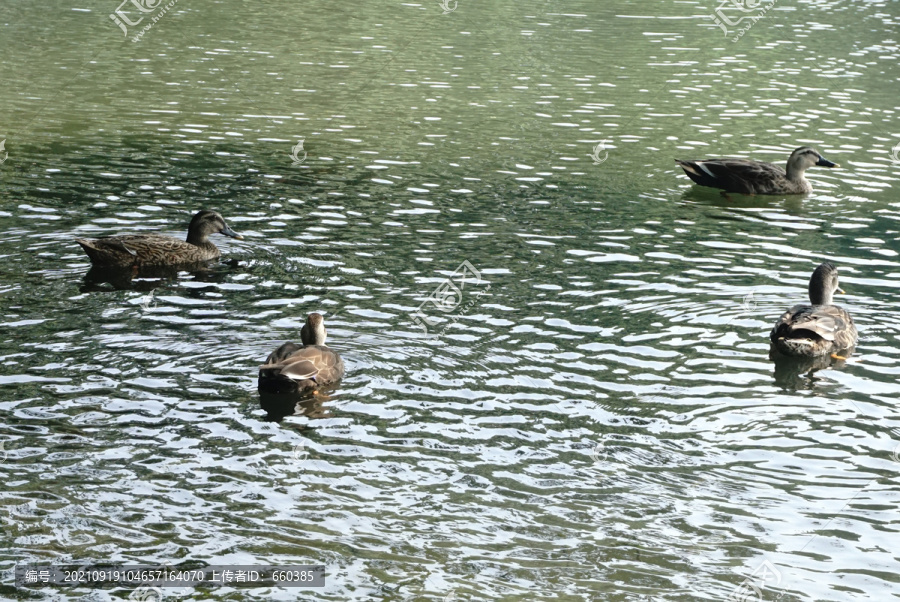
(602, 421)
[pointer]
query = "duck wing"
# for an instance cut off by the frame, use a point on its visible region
(156, 246)
(845, 334)
(828, 322)
(734, 175)
(107, 250)
(142, 249)
(297, 368)
(315, 363)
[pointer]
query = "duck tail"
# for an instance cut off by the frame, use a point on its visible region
(697, 172)
(88, 246)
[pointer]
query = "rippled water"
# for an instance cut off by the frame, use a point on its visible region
(598, 421)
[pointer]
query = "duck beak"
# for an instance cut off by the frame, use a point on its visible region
(841, 291)
(229, 232)
(823, 162)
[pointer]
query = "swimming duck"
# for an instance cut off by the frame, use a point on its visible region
(292, 368)
(155, 249)
(817, 329)
(756, 177)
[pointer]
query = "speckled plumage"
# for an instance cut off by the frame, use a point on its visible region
(817, 329)
(156, 249)
(756, 177)
(293, 368)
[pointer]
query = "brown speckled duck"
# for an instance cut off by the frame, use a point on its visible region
(155, 249)
(756, 177)
(292, 368)
(817, 329)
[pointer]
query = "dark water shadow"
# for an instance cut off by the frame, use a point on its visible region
(704, 195)
(310, 403)
(146, 278)
(799, 373)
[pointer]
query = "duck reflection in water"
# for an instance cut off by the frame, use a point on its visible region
(147, 278)
(312, 404)
(798, 373)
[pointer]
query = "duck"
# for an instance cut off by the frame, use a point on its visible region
(756, 177)
(135, 250)
(294, 368)
(819, 328)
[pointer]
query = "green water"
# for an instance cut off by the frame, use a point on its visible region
(598, 420)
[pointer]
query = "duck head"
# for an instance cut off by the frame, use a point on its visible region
(205, 223)
(823, 284)
(313, 332)
(805, 157)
